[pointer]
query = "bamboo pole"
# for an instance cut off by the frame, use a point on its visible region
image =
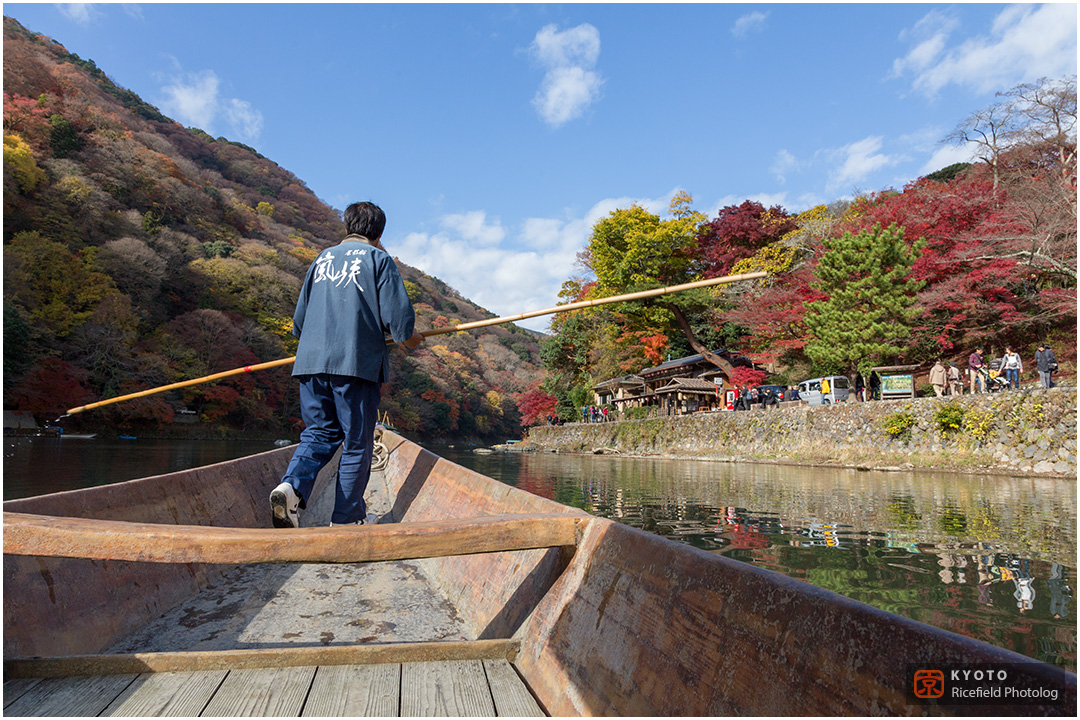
(628, 297)
(185, 383)
(642, 295)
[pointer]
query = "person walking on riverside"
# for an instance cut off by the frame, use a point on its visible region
(352, 295)
(1013, 366)
(1046, 364)
(956, 384)
(938, 377)
(975, 363)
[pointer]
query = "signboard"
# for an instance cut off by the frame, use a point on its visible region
(897, 386)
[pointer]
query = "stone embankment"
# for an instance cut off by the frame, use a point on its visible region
(1021, 432)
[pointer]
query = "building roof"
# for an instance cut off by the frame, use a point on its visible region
(680, 362)
(625, 380)
(689, 384)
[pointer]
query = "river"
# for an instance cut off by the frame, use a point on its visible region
(989, 557)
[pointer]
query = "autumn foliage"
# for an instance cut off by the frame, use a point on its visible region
(980, 254)
(138, 253)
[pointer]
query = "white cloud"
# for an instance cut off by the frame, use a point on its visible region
(858, 160)
(243, 118)
(749, 22)
(565, 93)
(473, 226)
(81, 13)
(570, 84)
(1026, 42)
(194, 99)
(577, 46)
(945, 156)
(783, 164)
(508, 275)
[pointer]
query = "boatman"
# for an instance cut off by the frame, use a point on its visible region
(352, 295)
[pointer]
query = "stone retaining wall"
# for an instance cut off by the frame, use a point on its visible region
(1026, 431)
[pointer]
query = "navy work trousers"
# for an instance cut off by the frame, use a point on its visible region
(337, 410)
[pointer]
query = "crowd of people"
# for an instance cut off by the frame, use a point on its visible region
(596, 414)
(946, 379)
(984, 376)
(746, 396)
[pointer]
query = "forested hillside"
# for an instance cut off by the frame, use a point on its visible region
(981, 253)
(138, 252)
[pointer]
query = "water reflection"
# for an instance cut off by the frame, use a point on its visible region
(984, 556)
(34, 466)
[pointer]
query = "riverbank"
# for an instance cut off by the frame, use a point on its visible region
(1025, 432)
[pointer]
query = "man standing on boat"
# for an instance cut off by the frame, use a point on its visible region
(352, 295)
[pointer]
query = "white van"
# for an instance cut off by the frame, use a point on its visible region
(824, 390)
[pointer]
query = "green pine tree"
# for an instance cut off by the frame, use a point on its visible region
(868, 313)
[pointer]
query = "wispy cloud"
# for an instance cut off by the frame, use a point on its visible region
(571, 83)
(748, 23)
(81, 13)
(947, 155)
(195, 99)
(784, 164)
(1026, 42)
(857, 161)
(246, 122)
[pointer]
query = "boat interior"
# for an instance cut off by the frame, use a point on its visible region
(171, 595)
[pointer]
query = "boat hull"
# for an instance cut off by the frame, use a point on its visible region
(87, 605)
(621, 622)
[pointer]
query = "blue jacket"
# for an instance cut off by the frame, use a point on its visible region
(352, 295)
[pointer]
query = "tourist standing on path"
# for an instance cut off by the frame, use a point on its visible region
(956, 384)
(975, 363)
(938, 378)
(1013, 366)
(1046, 363)
(352, 295)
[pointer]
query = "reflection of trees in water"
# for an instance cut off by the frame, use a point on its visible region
(1035, 517)
(908, 543)
(921, 545)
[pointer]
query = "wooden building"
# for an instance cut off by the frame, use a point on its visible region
(677, 387)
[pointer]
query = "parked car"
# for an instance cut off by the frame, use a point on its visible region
(812, 390)
(778, 390)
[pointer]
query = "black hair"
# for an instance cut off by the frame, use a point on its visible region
(365, 218)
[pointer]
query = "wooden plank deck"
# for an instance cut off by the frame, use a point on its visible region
(462, 688)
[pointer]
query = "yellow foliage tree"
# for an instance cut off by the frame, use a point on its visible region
(19, 159)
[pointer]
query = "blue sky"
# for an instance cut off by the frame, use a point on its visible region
(494, 136)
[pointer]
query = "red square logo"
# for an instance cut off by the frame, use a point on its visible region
(929, 684)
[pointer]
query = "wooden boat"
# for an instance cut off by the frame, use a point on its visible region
(171, 594)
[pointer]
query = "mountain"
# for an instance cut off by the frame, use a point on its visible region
(138, 253)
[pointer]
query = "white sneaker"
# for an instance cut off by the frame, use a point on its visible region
(285, 506)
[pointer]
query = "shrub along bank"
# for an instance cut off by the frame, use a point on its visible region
(1021, 432)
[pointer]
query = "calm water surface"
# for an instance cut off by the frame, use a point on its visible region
(34, 466)
(989, 557)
